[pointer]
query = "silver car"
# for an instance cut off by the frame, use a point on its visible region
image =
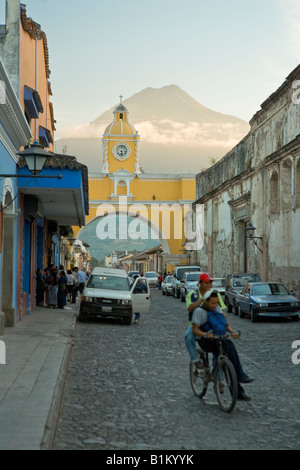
(152, 278)
(166, 286)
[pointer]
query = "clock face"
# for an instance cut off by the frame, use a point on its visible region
(121, 151)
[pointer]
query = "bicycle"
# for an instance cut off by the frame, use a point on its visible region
(222, 374)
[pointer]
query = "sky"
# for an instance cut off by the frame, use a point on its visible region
(229, 55)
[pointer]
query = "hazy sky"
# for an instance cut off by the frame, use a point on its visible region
(229, 55)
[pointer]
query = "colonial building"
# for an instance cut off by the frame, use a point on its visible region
(35, 211)
(257, 182)
(158, 201)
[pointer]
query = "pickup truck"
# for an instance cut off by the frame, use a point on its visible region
(235, 283)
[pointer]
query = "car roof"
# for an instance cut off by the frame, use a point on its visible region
(110, 271)
(265, 282)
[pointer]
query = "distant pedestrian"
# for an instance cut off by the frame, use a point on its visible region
(40, 288)
(71, 285)
(52, 283)
(81, 280)
(62, 290)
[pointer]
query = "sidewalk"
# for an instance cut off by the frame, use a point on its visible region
(31, 382)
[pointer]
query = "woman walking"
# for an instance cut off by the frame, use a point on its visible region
(62, 290)
(51, 281)
(71, 285)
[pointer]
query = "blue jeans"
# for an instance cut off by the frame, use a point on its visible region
(190, 342)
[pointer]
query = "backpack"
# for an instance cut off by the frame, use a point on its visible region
(216, 322)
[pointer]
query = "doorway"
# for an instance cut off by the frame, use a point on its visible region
(7, 275)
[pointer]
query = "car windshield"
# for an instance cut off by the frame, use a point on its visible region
(169, 278)
(243, 280)
(219, 283)
(104, 281)
(150, 275)
(180, 272)
(269, 289)
(192, 277)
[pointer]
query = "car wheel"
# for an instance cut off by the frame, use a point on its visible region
(81, 318)
(128, 320)
(229, 308)
(253, 315)
(240, 312)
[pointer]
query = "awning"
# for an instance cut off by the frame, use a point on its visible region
(33, 102)
(45, 137)
(64, 201)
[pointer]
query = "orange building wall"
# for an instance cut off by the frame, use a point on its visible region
(29, 63)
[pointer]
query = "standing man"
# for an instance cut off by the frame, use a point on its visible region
(81, 280)
(194, 300)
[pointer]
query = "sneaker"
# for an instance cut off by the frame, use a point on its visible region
(137, 320)
(246, 380)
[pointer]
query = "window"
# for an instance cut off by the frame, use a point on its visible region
(2, 11)
(108, 282)
(274, 200)
(298, 184)
(286, 185)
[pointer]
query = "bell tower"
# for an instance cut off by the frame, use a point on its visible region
(120, 144)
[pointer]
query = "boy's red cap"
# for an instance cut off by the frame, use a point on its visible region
(205, 277)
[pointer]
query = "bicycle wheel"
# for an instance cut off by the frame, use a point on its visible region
(199, 380)
(226, 386)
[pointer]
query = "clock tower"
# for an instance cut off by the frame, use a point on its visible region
(120, 144)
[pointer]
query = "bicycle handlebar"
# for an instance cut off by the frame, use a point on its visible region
(227, 335)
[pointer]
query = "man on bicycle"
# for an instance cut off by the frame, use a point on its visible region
(209, 344)
(193, 301)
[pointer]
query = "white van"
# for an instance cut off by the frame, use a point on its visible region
(109, 293)
(177, 276)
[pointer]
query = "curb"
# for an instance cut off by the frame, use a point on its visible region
(47, 441)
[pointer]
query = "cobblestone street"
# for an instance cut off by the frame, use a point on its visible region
(128, 387)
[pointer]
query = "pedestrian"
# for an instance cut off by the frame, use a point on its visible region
(81, 280)
(160, 280)
(71, 285)
(52, 287)
(40, 288)
(62, 290)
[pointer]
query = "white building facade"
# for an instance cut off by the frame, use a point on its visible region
(259, 182)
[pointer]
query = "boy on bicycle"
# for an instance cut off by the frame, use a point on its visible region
(209, 344)
(193, 301)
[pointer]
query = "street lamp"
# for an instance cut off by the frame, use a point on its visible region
(250, 229)
(35, 157)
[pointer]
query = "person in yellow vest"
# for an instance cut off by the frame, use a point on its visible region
(194, 300)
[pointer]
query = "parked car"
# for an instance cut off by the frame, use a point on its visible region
(235, 283)
(109, 293)
(188, 282)
(177, 276)
(166, 286)
(219, 284)
(267, 299)
(152, 278)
